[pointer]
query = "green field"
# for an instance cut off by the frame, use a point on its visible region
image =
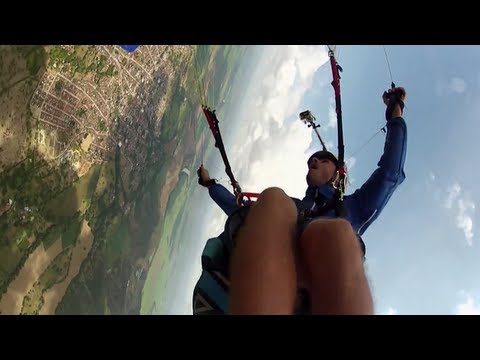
(157, 281)
(55, 273)
(172, 121)
(9, 258)
(35, 59)
(33, 301)
(176, 219)
(74, 198)
(63, 213)
(118, 240)
(29, 184)
(106, 178)
(23, 242)
(69, 237)
(54, 232)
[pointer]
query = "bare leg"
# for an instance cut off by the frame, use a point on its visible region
(262, 269)
(332, 255)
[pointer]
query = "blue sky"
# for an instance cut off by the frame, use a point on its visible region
(422, 252)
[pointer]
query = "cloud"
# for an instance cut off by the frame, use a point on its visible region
(351, 162)
(453, 192)
(464, 208)
(432, 176)
(216, 222)
(330, 146)
(468, 307)
(464, 220)
(455, 85)
(458, 85)
(332, 115)
(278, 144)
(390, 311)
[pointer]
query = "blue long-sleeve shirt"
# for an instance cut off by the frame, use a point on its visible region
(367, 202)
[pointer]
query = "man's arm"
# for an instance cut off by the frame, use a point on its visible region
(366, 203)
(224, 198)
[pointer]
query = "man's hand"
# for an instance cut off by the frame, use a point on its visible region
(397, 93)
(203, 176)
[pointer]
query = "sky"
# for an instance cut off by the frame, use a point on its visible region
(423, 250)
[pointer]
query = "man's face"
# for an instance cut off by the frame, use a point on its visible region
(320, 171)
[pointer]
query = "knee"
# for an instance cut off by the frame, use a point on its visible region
(274, 201)
(329, 235)
(277, 198)
(272, 194)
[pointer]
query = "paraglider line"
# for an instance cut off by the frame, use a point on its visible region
(388, 64)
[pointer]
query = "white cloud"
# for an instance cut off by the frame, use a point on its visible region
(453, 192)
(257, 133)
(351, 162)
(458, 85)
(464, 220)
(469, 307)
(390, 311)
(330, 146)
(279, 144)
(216, 223)
(332, 115)
(464, 208)
(432, 176)
(455, 85)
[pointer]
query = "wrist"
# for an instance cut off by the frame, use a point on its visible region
(210, 182)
